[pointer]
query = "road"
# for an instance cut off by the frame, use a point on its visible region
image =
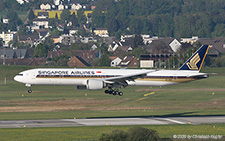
(111, 121)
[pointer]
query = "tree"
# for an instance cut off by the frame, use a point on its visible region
(112, 26)
(41, 50)
(31, 15)
(136, 41)
(23, 30)
(138, 51)
(74, 20)
(104, 60)
(1, 42)
(65, 16)
(142, 134)
(14, 20)
(49, 43)
(81, 17)
(116, 135)
(56, 16)
(133, 134)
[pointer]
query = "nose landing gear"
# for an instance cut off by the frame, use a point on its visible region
(29, 88)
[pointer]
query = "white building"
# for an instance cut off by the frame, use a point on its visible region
(189, 40)
(22, 1)
(147, 39)
(115, 62)
(76, 6)
(175, 45)
(61, 7)
(7, 37)
(45, 7)
(41, 22)
(5, 21)
(146, 63)
(56, 2)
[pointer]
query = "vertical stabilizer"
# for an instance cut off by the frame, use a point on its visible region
(196, 60)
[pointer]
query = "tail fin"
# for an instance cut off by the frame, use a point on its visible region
(196, 60)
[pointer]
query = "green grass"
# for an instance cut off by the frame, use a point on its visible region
(188, 99)
(93, 133)
(167, 101)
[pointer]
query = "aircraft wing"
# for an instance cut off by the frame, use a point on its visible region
(121, 80)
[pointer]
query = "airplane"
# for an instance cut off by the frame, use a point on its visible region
(114, 79)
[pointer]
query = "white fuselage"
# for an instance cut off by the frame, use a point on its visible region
(79, 77)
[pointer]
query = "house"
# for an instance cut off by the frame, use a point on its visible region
(146, 61)
(94, 47)
(13, 53)
(114, 45)
(147, 39)
(7, 53)
(56, 2)
(22, 1)
(89, 19)
(25, 61)
(42, 15)
(61, 7)
(163, 45)
(77, 61)
(21, 53)
(88, 39)
(217, 45)
(41, 23)
(66, 39)
(102, 32)
(5, 21)
(73, 31)
(115, 61)
(76, 6)
(7, 37)
(55, 38)
(189, 40)
(45, 7)
(129, 62)
(123, 38)
(30, 39)
(87, 55)
(124, 49)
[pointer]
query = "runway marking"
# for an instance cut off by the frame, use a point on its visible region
(171, 120)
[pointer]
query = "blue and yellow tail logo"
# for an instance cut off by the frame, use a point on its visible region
(196, 60)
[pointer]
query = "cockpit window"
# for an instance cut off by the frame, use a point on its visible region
(20, 74)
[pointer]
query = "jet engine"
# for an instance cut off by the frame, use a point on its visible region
(94, 84)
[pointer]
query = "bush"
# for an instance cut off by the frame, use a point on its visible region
(134, 134)
(116, 135)
(142, 134)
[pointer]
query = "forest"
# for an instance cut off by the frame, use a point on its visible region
(174, 18)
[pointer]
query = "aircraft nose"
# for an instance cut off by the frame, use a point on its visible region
(18, 78)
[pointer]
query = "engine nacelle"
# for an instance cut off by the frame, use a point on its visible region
(94, 84)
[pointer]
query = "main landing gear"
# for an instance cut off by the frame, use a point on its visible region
(114, 92)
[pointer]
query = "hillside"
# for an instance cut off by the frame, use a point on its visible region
(175, 18)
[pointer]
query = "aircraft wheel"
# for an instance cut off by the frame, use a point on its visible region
(114, 93)
(120, 93)
(110, 92)
(106, 91)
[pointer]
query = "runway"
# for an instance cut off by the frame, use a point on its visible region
(111, 121)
